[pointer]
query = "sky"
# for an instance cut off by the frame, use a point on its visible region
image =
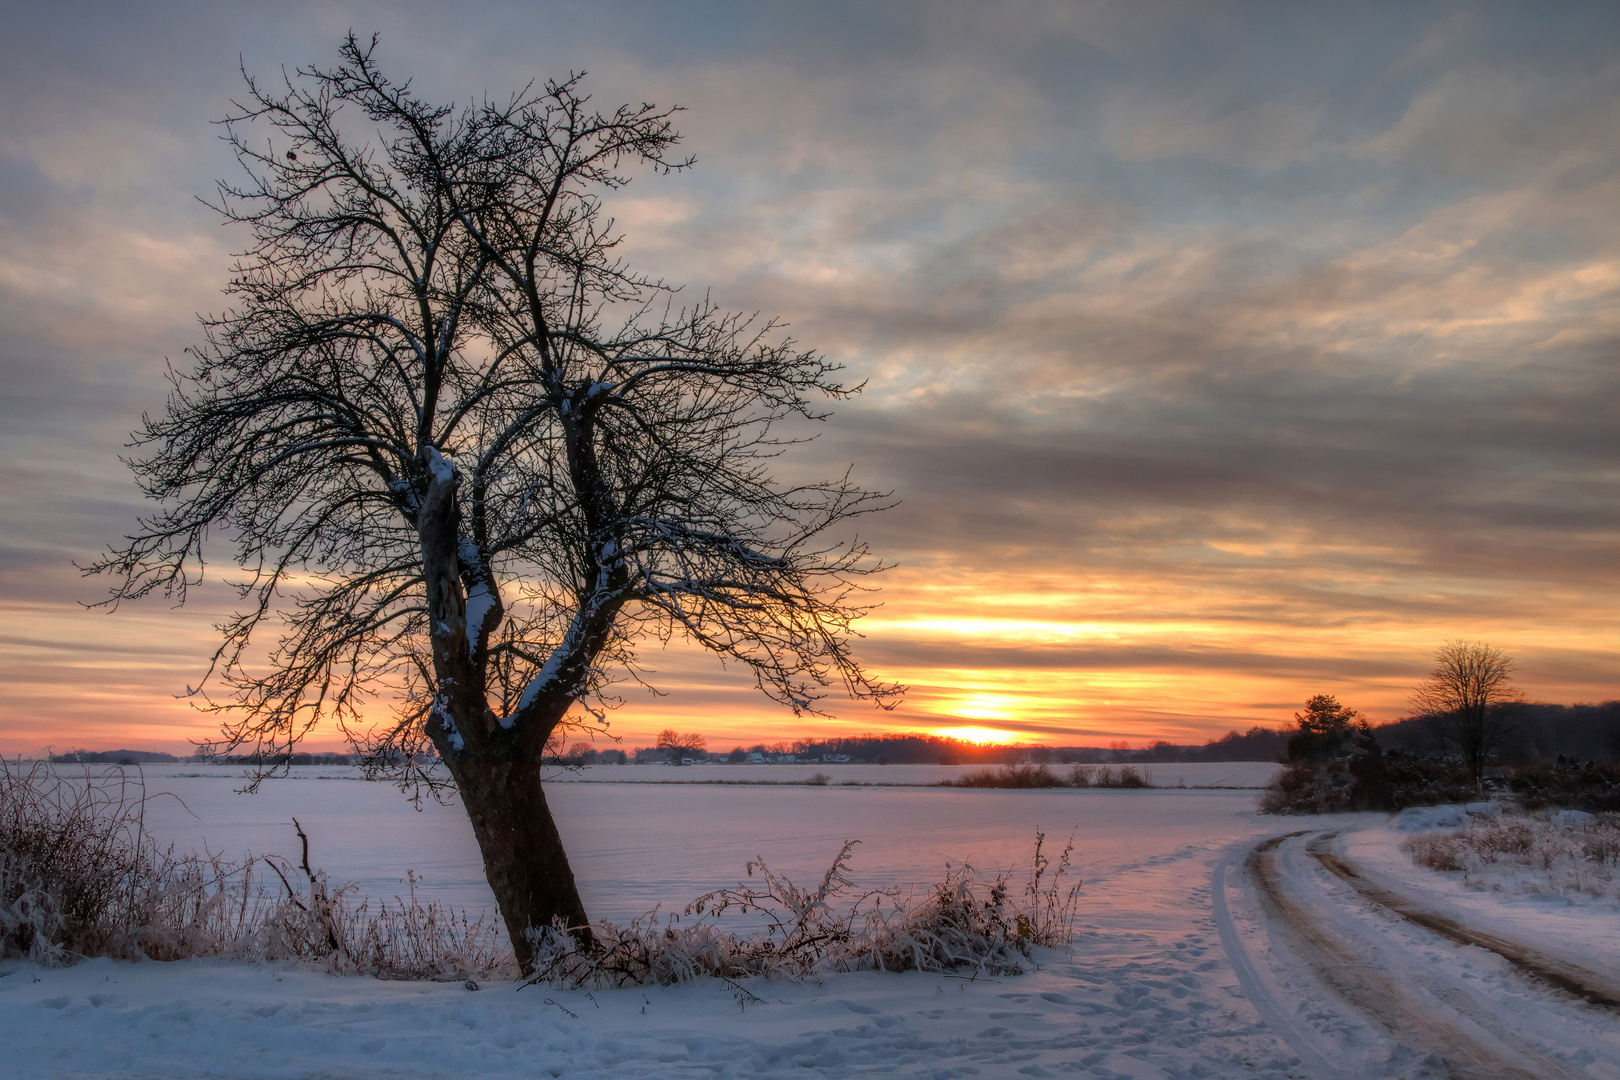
(1218, 354)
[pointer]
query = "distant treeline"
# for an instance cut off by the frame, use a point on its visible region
(1542, 733)
(1259, 744)
(158, 757)
(1539, 733)
(115, 757)
(905, 749)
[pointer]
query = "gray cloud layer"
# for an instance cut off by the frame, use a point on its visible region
(1311, 307)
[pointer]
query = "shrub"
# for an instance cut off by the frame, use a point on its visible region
(80, 876)
(1593, 787)
(1009, 776)
(1367, 780)
(834, 927)
(1041, 776)
(1128, 776)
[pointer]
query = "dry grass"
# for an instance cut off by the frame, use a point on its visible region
(1529, 855)
(1106, 776)
(834, 927)
(80, 876)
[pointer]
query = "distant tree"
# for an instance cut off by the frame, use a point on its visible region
(468, 458)
(678, 745)
(1160, 750)
(737, 756)
(1469, 700)
(1327, 729)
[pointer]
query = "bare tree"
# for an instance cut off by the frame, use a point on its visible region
(468, 459)
(1470, 700)
(681, 746)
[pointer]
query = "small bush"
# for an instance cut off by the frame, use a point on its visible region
(1041, 776)
(80, 876)
(1128, 776)
(834, 927)
(1106, 776)
(1009, 776)
(818, 779)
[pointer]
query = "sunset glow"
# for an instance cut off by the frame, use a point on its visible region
(1205, 380)
(981, 735)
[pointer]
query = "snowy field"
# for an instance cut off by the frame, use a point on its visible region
(1220, 774)
(634, 848)
(1203, 951)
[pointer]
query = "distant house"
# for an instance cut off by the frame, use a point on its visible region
(756, 759)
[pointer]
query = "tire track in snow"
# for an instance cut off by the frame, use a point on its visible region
(1584, 984)
(1254, 988)
(1351, 972)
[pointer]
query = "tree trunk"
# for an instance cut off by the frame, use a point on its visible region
(496, 768)
(523, 852)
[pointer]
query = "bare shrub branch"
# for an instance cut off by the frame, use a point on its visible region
(959, 926)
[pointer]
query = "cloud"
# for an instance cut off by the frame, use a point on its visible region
(1280, 341)
(1263, 137)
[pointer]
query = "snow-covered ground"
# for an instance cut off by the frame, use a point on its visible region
(1580, 928)
(1219, 774)
(1192, 959)
(1368, 966)
(639, 843)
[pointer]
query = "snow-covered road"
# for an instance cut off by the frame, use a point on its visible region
(1211, 944)
(1368, 977)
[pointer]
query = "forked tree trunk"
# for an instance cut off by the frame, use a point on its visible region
(523, 852)
(496, 767)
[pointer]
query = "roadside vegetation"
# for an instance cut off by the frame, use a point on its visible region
(1372, 778)
(959, 925)
(1566, 853)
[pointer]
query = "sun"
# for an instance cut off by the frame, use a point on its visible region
(984, 707)
(976, 734)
